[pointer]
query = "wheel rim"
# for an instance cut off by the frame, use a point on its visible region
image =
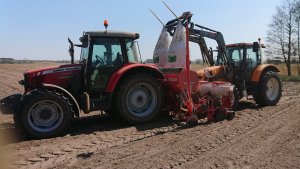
(45, 116)
(141, 99)
(272, 89)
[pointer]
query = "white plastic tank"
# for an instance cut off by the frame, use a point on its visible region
(160, 54)
(220, 88)
(177, 49)
(204, 87)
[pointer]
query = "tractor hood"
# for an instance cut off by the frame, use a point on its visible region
(53, 69)
(61, 76)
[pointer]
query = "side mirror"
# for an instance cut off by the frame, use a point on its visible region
(255, 46)
(71, 50)
(85, 41)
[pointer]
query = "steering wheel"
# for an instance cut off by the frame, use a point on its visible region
(100, 61)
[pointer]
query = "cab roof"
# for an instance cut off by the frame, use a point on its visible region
(110, 33)
(243, 45)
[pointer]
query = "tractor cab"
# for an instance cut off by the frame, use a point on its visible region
(103, 52)
(244, 57)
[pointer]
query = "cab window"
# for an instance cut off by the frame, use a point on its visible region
(131, 49)
(106, 57)
(107, 52)
(251, 55)
(84, 54)
(236, 54)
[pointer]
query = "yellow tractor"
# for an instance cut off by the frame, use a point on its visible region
(240, 64)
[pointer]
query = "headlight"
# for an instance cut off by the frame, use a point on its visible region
(22, 82)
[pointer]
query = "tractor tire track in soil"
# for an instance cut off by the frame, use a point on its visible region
(258, 137)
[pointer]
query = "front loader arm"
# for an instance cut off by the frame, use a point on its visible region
(203, 32)
(207, 56)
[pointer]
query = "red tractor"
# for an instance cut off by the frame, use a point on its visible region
(110, 77)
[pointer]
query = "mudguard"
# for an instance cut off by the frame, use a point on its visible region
(261, 68)
(131, 68)
(10, 104)
(51, 86)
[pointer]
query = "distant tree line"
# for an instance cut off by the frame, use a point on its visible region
(13, 61)
(283, 39)
(7, 60)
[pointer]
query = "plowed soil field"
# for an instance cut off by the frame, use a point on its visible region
(258, 137)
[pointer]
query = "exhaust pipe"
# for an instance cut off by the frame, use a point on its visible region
(71, 50)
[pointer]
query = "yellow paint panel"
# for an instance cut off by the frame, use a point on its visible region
(214, 70)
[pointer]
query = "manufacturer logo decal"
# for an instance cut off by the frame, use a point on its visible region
(66, 69)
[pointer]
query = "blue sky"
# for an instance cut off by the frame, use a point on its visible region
(35, 29)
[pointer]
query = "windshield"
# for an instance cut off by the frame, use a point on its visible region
(107, 52)
(235, 53)
(132, 51)
(84, 47)
(84, 54)
(244, 54)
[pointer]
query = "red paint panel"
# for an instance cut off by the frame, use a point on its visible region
(115, 77)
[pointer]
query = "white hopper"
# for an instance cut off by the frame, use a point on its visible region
(177, 49)
(160, 54)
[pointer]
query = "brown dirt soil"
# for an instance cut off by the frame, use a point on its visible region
(259, 137)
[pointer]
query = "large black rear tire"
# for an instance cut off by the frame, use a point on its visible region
(43, 114)
(269, 89)
(139, 98)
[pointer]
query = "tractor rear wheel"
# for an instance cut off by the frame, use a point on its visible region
(43, 114)
(269, 89)
(139, 98)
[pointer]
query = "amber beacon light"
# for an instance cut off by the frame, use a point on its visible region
(105, 23)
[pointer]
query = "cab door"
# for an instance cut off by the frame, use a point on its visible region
(236, 55)
(251, 62)
(105, 57)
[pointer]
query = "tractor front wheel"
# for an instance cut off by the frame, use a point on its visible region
(43, 114)
(139, 98)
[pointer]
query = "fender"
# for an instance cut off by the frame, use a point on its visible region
(51, 86)
(259, 69)
(10, 104)
(130, 68)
